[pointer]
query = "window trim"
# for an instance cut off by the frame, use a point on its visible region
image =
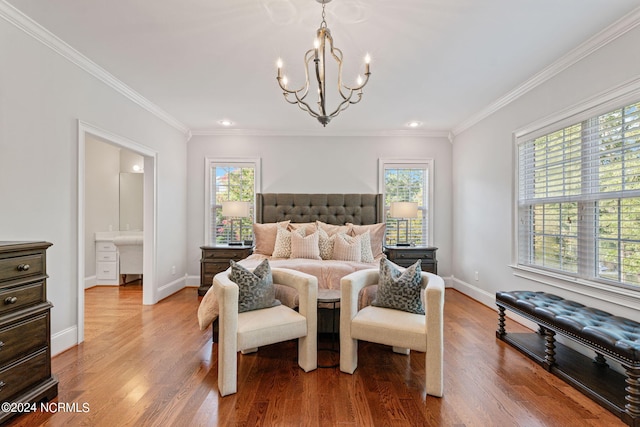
(626, 93)
(211, 161)
(429, 164)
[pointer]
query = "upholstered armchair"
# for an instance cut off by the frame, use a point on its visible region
(402, 330)
(249, 330)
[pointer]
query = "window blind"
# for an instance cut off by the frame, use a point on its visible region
(406, 183)
(231, 182)
(579, 198)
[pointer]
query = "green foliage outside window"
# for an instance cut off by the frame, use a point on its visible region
(406, 184)
(580, 198)
(231, 183)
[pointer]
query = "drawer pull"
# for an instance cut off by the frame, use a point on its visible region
(24, 267)
(1, 344)
(10, 300)
(2, 384)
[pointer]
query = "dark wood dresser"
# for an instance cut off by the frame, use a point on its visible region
(215, 259)
(25, 325)
(404, 256)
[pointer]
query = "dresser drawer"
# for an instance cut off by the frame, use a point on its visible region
(414, 255)
(226, 254)
(23, 374)
(21, 296)
(23, 337)
(21, 266)
(106, 256)
(213, 268)
(107, 271)
(105, 247)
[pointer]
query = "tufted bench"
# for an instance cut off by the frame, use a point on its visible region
(613, 337)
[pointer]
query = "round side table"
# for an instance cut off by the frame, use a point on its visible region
(331, 297)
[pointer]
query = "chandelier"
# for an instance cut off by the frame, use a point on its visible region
(348, 94)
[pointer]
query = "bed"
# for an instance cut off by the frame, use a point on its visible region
(343, 218)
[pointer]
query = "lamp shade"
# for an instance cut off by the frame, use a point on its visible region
(235, 209)
(403, 210)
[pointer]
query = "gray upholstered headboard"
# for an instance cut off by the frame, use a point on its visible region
(360, 209)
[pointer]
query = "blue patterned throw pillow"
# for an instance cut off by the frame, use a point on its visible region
(399, 289)
(256, 289)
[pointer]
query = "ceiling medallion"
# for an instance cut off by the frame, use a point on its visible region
(348, 94)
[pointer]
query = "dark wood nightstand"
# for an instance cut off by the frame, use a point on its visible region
(216, 259)
(404, 256)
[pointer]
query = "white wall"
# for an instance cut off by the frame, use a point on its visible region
(483, 179)
(294, 164)
(42, 97)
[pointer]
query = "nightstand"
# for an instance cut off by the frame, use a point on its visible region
(404, 256)
(215, 259)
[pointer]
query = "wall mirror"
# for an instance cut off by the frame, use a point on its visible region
(131, 201)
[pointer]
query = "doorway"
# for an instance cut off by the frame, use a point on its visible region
(87, 132)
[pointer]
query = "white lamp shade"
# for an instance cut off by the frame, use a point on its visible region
(403, 210)
(235, 209)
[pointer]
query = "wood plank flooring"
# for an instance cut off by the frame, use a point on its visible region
(152, 366)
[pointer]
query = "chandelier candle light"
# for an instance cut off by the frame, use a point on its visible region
(318, 55)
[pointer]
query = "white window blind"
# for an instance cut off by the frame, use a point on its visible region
(230, 181)
(407, 182)
(579, 198)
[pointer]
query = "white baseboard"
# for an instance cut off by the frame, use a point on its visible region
(193, 281)
(90, 282)
(64, 340)
(489, 300)
(171, 287)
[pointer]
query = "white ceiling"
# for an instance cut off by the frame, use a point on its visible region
(436, 61)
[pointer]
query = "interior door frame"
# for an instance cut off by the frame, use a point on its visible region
(149, 291)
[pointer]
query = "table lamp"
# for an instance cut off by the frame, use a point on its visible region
(234, 210)
(402, 211)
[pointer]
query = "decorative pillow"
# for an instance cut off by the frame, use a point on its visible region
(399, 289)
(264, 237)
(256, 288)
(347, 248)
(365, 241)
(325, 244)
(377, 235)
(282, 247)
(333, 229)
(305, 247)
(310, 227)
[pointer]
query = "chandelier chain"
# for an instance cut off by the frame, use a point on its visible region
(323, 24)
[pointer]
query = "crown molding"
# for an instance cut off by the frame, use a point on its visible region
(323, 132)
(623, 93)
(604, 37)
(44, 36)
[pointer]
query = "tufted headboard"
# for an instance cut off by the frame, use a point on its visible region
(360, 209)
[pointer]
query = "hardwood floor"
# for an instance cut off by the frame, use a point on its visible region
(151, 365)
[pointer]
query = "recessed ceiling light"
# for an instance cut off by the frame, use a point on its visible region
(414, 124)
(225, 122)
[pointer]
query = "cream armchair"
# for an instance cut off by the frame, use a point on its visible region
(252, 329)
(402, 330)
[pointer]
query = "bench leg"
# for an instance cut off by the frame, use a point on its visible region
(501, 331)
(550, 349)
(632, 408)
(600, 360)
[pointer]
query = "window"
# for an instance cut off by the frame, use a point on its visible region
(579, 198)
(236, 180)
(407, 181)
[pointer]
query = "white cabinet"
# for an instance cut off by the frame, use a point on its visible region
(106, 263)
